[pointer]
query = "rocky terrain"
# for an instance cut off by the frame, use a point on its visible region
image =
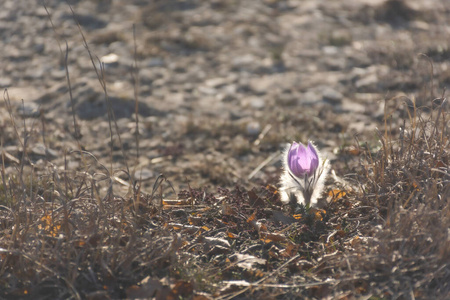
(222, 85)
(141, 147)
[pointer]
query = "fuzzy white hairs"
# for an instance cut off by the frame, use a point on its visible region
(304, 174)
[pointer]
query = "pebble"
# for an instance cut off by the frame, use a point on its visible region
(40, 149)
(253, 102)
(144, 174)
(262, 85)
(367, 83)
(243, 60)
(5, 82)
(110, 60)
(310, 98)
(206, 90)
(331, 95)
(216, 82)
(28, 110)
(253, 128)
(155, 62)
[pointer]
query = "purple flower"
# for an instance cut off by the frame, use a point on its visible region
(304, 175)
(302, 161)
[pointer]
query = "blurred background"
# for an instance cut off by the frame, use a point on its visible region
(221, 85)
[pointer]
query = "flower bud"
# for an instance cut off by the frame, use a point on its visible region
(304, 174)
(302, 161)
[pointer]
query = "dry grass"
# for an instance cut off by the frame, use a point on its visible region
(62, 237)
(404, 252)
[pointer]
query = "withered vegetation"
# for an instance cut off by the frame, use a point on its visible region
(384, 234)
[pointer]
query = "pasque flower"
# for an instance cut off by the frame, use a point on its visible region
(304, 174)
(301, 160)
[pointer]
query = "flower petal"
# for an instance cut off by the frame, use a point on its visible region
(314, 158)
(302, 160)
(293, 160)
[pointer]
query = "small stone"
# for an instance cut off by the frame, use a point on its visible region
(253, 128)
(310, 98)
(254, 102)
(39, 48)
(110, 60)
(34, 73)
(58, 73)
(176, 98)
(28, 110)
(419, 25)
(207, 90)
(368, 82)
(330, 50)
(243, 60)
(40, 149)
(216, 82)
(143, 174)
(5, 82)
(335, 64)
(332, 95)
(262, 84)
(155, 62)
